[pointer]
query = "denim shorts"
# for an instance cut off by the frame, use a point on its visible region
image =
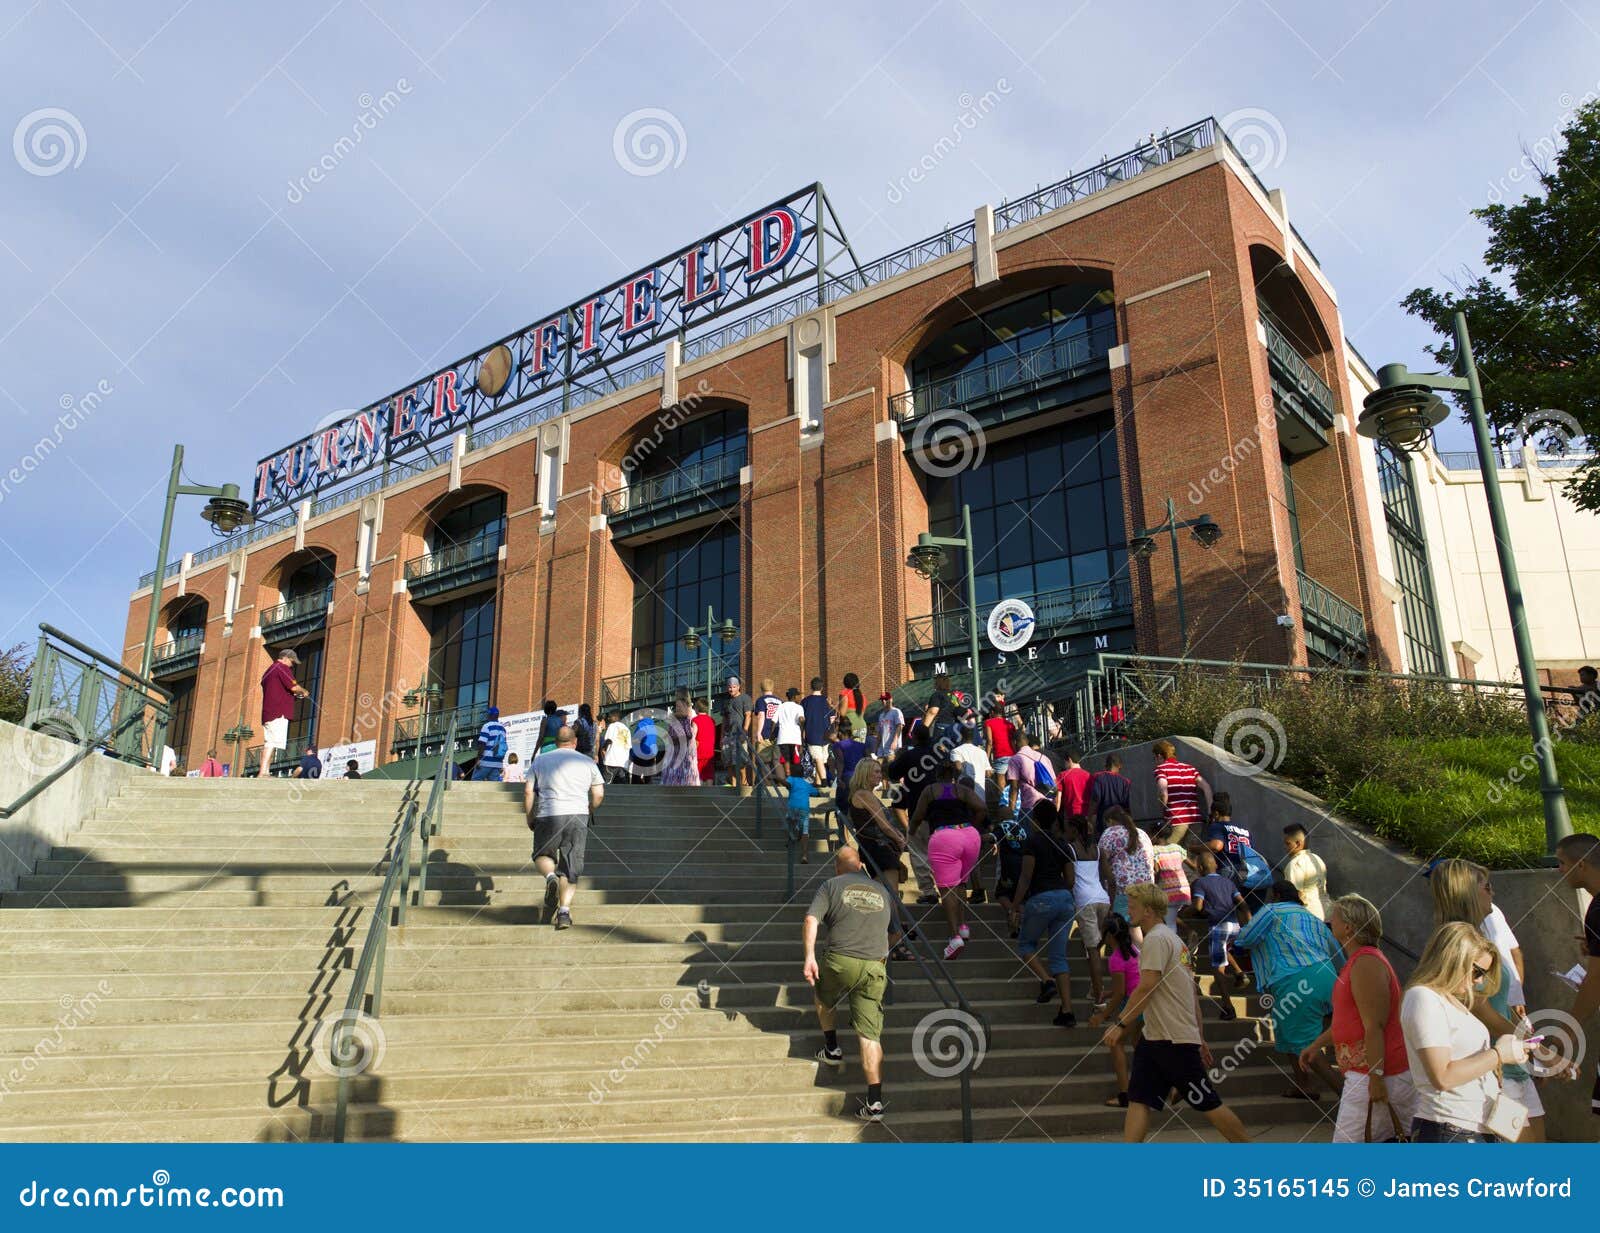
(1049, 917)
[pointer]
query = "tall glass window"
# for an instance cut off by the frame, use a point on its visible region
(180, 719)
(675, 580)
(461, 654)
(303, 723)
(1042, 319)
(1046, 515)
(1419, 615)
(1294, 510)
(481, 520)
(312, 578)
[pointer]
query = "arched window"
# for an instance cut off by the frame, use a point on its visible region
(1056, 316)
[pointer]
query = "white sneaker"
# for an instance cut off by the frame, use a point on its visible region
(954, 946)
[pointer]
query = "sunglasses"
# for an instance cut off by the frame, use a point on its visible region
(1479, 973)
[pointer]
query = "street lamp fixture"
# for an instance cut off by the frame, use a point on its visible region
(928, 558)
(237, 736)
(697, 635)
(1142, 545)
(225, 511)
(1402, 413)
(427, 697)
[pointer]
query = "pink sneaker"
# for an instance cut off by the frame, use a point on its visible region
(966, 932)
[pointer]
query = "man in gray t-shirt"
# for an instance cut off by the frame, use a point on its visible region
(564, 788)
(858, 913)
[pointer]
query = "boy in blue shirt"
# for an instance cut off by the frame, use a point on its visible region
(799, 814)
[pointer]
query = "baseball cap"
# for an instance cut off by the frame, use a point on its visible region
(885, 697)
(494, 712)
(289, 654)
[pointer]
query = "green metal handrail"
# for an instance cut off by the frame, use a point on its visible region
(1306, 380)
(299, 606)
(89, 699)
(411, 728)
(393, 898)
(482, 546)
(1051, 610)
(711, 474)
(1060, 359)
(180, 645)
(1332, 609)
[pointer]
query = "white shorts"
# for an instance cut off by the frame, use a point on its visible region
(1351, 1126)
(1525, 1093)
(275, 732)
(819, 755)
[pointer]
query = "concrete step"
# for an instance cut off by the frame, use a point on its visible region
(317, 851)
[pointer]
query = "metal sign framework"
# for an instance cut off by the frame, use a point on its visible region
(770, 249)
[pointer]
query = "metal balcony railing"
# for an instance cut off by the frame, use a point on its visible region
(1341, 619)
(654, 686)
(1296, 372)
(439, 565)
(306, 610)
(1053, 362)
(467, 719)
(178, 655)
(697, 479)
(1053, 611)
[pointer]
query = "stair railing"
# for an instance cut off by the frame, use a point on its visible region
(973, 1023)
(348, 1051)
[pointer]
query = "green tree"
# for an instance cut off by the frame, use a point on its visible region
(14, 667)
(1535, 318)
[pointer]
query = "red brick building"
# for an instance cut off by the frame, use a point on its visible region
(1062, 364)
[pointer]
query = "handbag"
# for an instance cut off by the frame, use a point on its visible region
(1401, 1133)
(1508, 1118)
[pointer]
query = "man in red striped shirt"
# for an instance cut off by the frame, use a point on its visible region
(1185, 794)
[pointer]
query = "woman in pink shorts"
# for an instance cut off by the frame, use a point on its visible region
(954, 815)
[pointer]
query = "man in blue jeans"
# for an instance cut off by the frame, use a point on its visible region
(1043, 908)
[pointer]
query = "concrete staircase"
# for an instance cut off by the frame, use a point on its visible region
(166, 977)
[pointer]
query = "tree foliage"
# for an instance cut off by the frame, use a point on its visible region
(1535, 318)
(15, 664)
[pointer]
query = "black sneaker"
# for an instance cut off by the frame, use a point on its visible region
(1065, 1018)
(871, 1111)
(831, 1057)
(552, 895)
(1047, 992)
(977, 896)
(563, 919)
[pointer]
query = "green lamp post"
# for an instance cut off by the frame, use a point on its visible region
(428, 697)
(692, 638)
(225, 511)
(1402, 413)
(237, 736)
(1143, 545)
(928, 559)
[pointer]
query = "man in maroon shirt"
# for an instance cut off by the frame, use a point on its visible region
(279, 689)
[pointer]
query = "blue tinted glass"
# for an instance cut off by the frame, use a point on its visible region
(1086, 517)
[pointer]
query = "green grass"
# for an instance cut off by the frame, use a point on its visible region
(1466, 803)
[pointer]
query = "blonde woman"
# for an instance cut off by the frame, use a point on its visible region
(1454, 1066)
(1366, 1036)
(1463, 892)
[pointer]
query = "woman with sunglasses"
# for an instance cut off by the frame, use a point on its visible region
(1454, 1067)
(1462, 892)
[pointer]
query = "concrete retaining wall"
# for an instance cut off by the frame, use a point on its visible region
(53, 816)
(1545, 915)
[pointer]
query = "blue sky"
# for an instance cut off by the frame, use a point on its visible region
(169, 261)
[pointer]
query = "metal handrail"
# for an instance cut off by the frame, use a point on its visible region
(949, 994)
(1306, 380)
(180, 645)
(1051, 609)
(1063, 357)
(393, 897)
(128, 711)
(480, 547)
(679, 482)
(411, 727)
(300, 606)
(1331, 607)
